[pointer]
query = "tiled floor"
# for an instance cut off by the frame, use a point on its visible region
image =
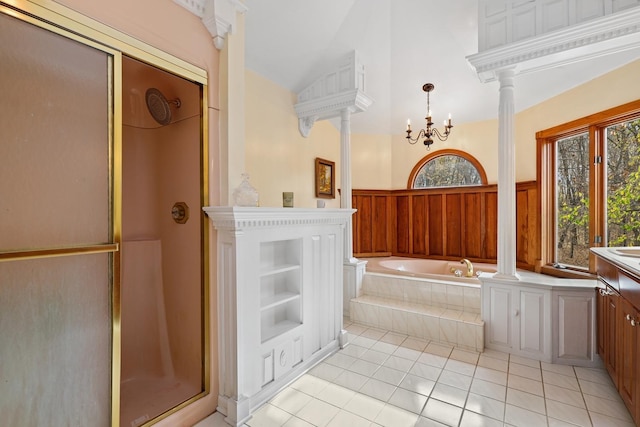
(391, 380)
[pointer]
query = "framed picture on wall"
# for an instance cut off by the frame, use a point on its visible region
(325, 179)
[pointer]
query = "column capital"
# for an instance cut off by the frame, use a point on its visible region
(506, 74)
(333, 94)
(218, 16)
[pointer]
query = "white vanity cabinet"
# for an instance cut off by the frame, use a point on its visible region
(280, 293)
(541, 317)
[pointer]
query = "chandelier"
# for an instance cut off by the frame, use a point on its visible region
(430, 131)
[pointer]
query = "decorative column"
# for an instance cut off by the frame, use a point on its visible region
(320, 101)
(353, 268)
(506, 178)
(345, 179)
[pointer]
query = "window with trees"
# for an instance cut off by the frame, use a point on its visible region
(589, 175)
(447, 168)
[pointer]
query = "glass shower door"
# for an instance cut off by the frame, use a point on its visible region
(56, 227)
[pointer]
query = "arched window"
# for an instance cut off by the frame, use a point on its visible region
(447, 168)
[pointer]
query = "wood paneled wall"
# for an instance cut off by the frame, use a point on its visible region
(443, 223)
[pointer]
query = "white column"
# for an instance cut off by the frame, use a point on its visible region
(232, 116)
(506, 178)
(345, 180)
(353, 271)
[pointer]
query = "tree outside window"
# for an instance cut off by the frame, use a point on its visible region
(447, 168)
(623, 184)
(572, 200)
(590, 173)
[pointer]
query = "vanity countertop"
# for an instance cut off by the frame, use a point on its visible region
(626, 258)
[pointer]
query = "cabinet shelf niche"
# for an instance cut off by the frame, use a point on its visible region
(266, 271)
(276, 321)
(278, 299)
(280, 287)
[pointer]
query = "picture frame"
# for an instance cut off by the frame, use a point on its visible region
(325, 179)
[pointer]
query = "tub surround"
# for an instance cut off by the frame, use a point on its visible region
(541, 317)
(429, 268)
(430, 307)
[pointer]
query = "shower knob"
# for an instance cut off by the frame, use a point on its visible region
(180, 212)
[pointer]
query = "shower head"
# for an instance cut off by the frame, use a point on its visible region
(159, 106)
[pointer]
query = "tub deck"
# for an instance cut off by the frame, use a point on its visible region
(427, 268)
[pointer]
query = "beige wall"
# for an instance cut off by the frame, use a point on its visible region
(385, 161)
(480, 139)
(610, 90)
(370, 157)
(477, 139)
(278, 158)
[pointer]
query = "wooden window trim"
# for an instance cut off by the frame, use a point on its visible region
(594, 124)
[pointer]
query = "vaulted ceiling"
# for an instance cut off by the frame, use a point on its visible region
(403, 44)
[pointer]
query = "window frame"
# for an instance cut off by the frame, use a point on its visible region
(595, 125)
(446, 152)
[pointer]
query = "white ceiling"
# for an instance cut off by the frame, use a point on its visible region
(403, 44)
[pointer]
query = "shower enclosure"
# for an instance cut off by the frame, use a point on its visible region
(102, 271)
(162, 309)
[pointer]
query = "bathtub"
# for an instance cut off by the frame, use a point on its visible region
(439, 270)
(425, 282)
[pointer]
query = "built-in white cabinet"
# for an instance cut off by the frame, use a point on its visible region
(541, 317)
(519, 320)
(280, 296)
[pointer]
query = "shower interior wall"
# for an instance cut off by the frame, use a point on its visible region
(161, 167)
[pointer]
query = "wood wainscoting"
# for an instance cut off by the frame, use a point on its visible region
(460, 222)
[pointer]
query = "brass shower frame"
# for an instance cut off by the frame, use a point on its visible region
(68, 23)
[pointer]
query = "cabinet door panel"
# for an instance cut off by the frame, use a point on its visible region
(501, 329)
(611, 327)
(627, 341)
(267, 368)
(283, 357)
(532, 312)
(601, 305)
(575, 320)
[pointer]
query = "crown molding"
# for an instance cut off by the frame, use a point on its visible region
(329, 107)
(218, 16)
(612, 33)
(241, 218)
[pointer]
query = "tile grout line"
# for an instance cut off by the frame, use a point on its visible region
(389, 360)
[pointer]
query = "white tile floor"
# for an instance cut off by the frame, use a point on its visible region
(391, 380)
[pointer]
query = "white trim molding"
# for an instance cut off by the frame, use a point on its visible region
(339, 90)
(218, 16)
(592, 39)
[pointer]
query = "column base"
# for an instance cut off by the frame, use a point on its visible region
(353, 274)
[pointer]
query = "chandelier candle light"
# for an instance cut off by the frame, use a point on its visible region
(430, 131)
